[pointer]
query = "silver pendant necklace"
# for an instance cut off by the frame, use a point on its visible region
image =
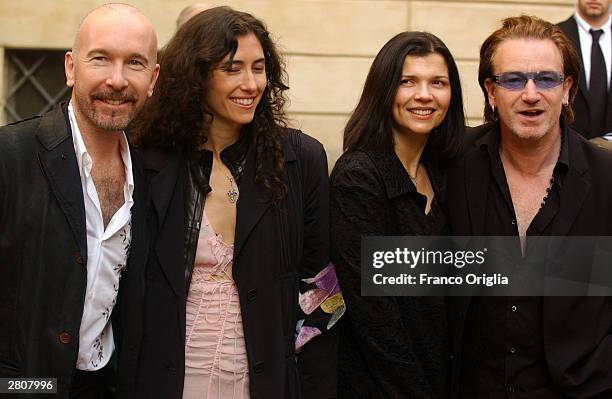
(232, 194)
(414, 179)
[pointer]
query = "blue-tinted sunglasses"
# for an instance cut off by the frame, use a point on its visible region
(516, 81)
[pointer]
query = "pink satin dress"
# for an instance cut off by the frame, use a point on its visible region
(216, 364)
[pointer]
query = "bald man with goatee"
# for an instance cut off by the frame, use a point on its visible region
(72, 236)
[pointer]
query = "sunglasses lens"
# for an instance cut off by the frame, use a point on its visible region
(547, 80)
(512, 80)
(516, 81)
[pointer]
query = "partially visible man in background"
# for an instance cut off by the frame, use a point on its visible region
(189, 11)
(589, 31)
(67, 214)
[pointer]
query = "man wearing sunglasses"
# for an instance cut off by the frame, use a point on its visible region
(590, 33)
(525, 173)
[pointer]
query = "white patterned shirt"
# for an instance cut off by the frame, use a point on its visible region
(107, 251)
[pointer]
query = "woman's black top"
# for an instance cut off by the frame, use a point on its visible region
(390, 347)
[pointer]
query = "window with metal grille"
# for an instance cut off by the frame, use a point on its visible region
(35, 82)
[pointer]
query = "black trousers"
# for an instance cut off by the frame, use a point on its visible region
(99, 384)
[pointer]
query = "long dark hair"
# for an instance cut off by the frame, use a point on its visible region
(176, 116)
(370, 125)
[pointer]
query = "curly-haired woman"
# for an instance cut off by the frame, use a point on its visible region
(239, 223)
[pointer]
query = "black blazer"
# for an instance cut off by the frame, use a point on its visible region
(580, 105)
(43, 251)
(579, 366)
(275, 247)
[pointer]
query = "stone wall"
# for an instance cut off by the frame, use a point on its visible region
(329, 44)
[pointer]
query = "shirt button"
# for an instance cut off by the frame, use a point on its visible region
(513, 350)
(514, 308)
(258, 368)
(252, 295)
(513, 221)
(64, 338)
(169, 367)
(77, 257)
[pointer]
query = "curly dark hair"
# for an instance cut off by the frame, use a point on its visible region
(177, 116)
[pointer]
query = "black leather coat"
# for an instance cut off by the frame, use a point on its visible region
(275, 246)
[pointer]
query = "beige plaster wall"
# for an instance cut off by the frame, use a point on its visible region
(329, 44)
(2, 83)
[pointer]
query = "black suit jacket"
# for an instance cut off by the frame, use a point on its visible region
(43, 249)
(275, 247)
(577, 331)
(582, 122)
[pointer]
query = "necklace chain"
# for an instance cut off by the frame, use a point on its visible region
(414, 179)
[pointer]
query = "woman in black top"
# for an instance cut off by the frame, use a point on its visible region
(390, 181)
(239, 298)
